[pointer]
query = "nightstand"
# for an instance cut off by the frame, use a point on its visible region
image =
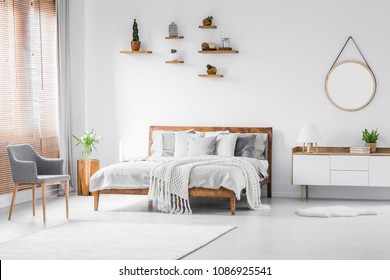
(85, 169)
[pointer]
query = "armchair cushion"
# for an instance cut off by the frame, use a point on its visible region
(50, 166)
(52, 178)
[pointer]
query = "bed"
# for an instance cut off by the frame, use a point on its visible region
(136, 182)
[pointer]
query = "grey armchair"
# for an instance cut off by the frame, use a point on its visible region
(29, 168)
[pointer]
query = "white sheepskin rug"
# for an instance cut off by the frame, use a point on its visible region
(333, 211)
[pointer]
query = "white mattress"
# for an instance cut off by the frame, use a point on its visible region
(136, 175)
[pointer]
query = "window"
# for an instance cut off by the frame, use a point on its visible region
(28, 80)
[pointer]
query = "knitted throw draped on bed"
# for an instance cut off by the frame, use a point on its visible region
(169, 182)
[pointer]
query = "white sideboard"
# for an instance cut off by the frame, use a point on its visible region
(335, 166)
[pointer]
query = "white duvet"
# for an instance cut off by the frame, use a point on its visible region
(135, 174)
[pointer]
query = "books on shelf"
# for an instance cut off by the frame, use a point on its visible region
(359, 150)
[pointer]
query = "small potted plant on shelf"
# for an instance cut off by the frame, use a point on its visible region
(211, 70)
(208, 21)
(371, 137)
(135, 44)
(87, 166)
(174, 55)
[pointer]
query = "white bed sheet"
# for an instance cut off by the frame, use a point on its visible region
(136, 175)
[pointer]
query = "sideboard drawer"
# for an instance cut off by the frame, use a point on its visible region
(349, 163)
(349, 178)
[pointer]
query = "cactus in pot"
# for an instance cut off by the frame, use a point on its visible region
(174, 55)
(208, 21)
(135, 44)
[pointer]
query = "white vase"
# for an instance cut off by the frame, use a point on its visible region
(173, 30)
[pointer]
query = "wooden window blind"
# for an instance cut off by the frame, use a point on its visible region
(28, 80)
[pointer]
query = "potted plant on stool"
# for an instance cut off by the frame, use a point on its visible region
(86, 167)
(370, 137)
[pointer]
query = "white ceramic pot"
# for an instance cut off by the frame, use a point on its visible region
(174, 56)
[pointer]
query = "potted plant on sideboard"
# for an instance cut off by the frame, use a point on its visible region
(370, 137)
(87, 166)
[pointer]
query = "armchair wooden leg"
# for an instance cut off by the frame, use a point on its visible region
(96, 200)
(232, 203)
(67, 198)
(34, 189)
(43, 186)
(16, 186)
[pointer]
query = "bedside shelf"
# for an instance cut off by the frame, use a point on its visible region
(219, 51)
(135, 52)
(207, 26)
(174, 37)
(174, 61)
(210, 76)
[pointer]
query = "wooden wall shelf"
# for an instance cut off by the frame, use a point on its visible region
(133, 52)
(219, 51)
(174, 61)
(174, 37)
(207, 26)
(210, 76)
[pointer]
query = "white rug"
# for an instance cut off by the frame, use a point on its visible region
(333, 211)
(78, 240)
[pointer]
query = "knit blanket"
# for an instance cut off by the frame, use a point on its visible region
(169, 182)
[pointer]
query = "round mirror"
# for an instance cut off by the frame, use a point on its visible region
(350, 85)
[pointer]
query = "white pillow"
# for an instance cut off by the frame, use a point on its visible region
(201, 146)
(157, 145)
(181, 142)
(260, 144)
(226, 144)
(214, 133)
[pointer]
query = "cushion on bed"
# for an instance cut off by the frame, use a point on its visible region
(214, 133)
(201, 146)
(245, 145)
(225, 144)
(168, 144)
(157, 145)
(260, 145)
(181, 142)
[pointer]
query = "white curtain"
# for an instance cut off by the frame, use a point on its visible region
(65, 134)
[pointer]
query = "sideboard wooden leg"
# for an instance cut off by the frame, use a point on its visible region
(307, 191)
(303, 192)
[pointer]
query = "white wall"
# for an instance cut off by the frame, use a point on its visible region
(286, 49)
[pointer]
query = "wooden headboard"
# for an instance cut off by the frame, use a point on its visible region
(267, 130)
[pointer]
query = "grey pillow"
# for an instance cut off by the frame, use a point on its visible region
(168, 144)
(201, 146)
(245, 145)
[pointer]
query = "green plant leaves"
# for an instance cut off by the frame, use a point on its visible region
(370, 136)
(88, 143)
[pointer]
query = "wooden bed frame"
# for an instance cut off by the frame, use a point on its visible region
(199, 191)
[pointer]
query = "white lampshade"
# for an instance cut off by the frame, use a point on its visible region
(309, 134)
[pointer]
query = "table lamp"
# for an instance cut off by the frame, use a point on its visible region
(309, 136)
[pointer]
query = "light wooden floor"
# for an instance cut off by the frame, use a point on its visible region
(278, 234)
